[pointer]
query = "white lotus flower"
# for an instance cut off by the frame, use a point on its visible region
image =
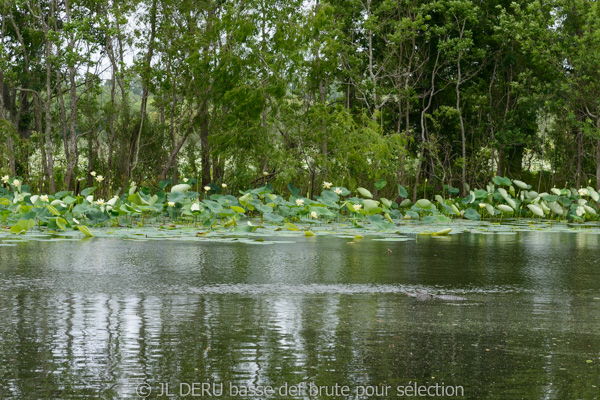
(185, 180)
(74, 220)
(195, 207)
(580, 211)
(99, 178)
(207, 188)
(313, 214)
(481, 205)
(357, 207)
(133, 183)
(338, 191)
(100, 202)
(583, 192)
(5, 178)
(299, 202)
(171, 204)
(44, 198)
(93, 173)
(223, 185)
(327, 185)
(17, 182)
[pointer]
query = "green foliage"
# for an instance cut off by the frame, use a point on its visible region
(20, 211)
(426, 94)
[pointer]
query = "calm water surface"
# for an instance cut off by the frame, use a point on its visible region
(95, 319)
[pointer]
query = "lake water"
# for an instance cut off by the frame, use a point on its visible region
(109, 318)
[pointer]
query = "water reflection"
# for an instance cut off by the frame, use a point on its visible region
(95, 319)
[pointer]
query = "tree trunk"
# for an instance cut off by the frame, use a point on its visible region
(579, 159)
(419, 167)
(43, 183)
(200, 112)
(500, 166)
(598, 164)
(145, 80)
(217, 169)
(73, 151)
(423, 121)
(173, 156)
(70, 134)
(90, 168)
(124, 106)
(21, 164)
(463, 136)
(401, 173)
(322, 88)
(63, 115)
(11, 153)
(48, 112)
(491, 121)
(205, 158)
(111, 124)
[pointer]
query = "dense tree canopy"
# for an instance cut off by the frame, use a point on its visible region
(444, 92)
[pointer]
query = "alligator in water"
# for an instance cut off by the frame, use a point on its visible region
(423, 295)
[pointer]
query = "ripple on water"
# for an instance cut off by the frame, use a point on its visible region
(92, 319)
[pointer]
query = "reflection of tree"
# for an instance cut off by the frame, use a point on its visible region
(56, 343)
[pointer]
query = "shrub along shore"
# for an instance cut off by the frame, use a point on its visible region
(213, 207)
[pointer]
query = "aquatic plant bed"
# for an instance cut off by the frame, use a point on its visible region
(282, 234)
(336, 208)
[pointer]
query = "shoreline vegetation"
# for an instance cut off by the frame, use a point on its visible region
(422, 93)
(214, 208)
